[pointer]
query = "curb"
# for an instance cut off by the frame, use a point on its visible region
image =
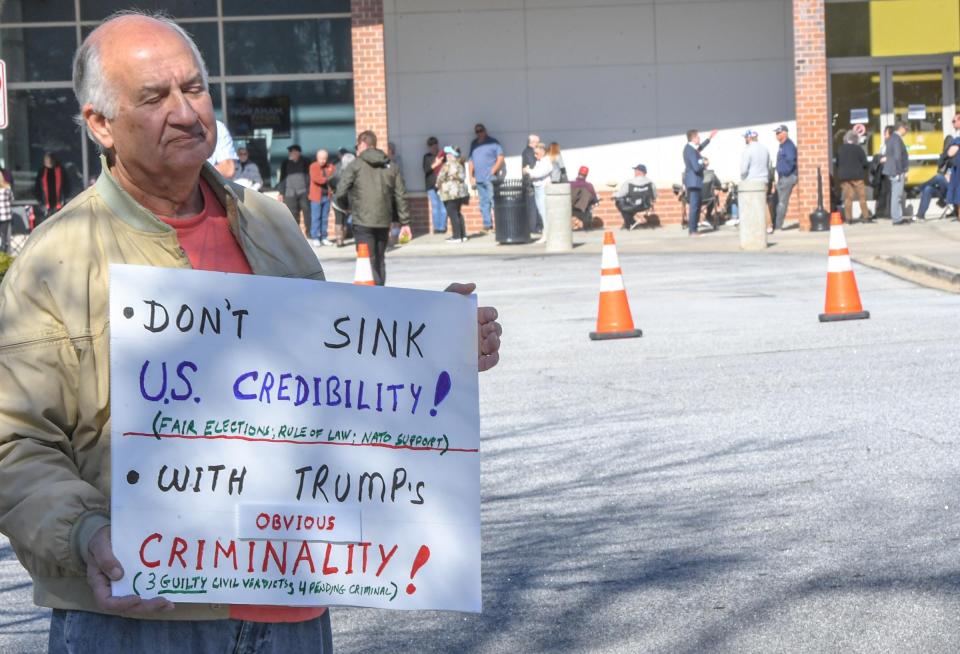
(918, 270)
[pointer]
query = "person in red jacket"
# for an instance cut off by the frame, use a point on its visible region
(319, 193)
(52, 187)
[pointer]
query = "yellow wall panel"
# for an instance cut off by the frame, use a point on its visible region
(914, 27)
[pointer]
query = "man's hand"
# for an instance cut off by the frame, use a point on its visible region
(405, 233)
(488, 330)
(102, 568)
(713, 133)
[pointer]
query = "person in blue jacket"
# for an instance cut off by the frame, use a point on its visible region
(786, 173)
(693, 167)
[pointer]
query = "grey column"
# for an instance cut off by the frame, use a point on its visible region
(752, 199)
(557, 222)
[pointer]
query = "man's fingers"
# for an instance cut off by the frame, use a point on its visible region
(486, 315)
(101, 550)
(490, 344)
(100, 586)
(462, 289)
(490, 328)
(488, 361)
(155, 605)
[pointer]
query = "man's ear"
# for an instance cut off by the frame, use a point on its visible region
(99, 125)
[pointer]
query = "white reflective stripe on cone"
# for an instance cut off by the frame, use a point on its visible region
(611, 283)
(839, 263)
(837, 240)
(609, 258)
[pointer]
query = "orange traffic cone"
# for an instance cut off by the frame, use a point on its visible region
(364, 273)
(613, 317)
(843, 298)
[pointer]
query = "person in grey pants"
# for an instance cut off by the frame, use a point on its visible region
(786, 173)
(895, 167)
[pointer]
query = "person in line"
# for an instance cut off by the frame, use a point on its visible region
(694, 164)
(938, 185)
(248, 172)
(432, 161)
(540, 178)
(321, 170)
(952, 163)
(52, 187)
(485, 161)
(6, 214)
(786, 173)
(342, 219)
(559, 171)
(879, 181)
(528, 159)
(851, 169)
(452, 188)
(755, 166)
(294, 186)
(142, 89)
(639, 182)
(373, 188)
(895, 168)
(583, 196)
(224, 157)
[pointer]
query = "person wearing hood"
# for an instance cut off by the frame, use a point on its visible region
(373, 189)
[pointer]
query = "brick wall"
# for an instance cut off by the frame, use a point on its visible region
(813, 127)
(369, 69)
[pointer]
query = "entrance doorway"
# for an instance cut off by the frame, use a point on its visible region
(869, 94)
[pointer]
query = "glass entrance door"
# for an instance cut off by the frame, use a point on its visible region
(917, 97)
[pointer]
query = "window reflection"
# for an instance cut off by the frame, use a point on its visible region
(288, 46)
(848, 29)
(38, 54)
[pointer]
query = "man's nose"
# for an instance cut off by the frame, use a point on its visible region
(182, 112)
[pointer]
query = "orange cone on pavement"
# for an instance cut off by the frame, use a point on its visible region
(364, 273)
(843, 298)
(613, 317)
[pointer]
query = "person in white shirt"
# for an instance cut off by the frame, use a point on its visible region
(539, 175)
(224, 155)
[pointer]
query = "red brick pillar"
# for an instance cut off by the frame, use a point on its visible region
(813, 121)
(369, 68)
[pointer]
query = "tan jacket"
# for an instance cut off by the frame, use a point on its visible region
(54, 368)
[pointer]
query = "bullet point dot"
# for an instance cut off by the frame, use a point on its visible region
(197, 400)
(128, 312)
(133, 477)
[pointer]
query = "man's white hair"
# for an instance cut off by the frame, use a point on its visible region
(90, 83)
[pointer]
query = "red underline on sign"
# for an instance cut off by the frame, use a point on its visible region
(249, 439)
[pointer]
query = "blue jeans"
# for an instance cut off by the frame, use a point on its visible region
(485, 191)
(319, 212)
(438, 211)
(936, 186)
(693, 197)
(80, 632)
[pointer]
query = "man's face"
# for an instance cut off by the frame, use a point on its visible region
(639, 173)
(242, 155)
(480, 132)
(434, 148)
(322, 156)
(293, 155)
(781, 136)
(901, 130)
(696, 139)
(534, 141)
(165, 116)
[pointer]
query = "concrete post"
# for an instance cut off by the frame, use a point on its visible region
(557, 221)
(752, 199)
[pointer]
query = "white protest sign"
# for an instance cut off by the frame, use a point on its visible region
(293, 442)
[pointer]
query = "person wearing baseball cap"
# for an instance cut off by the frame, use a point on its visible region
(583, 196)
(786, 173)
(635, 195)
(755, 160)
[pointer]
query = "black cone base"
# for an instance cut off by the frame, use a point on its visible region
(607, 336)
(834, 317)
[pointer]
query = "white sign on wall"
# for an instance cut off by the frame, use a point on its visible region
(293, 442)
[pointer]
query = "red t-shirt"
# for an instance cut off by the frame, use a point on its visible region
(210, 245)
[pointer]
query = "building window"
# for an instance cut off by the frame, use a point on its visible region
(288, 46)
(287, 7)
(100, 9)
(36, 11)
(848, 29)
(38, 54)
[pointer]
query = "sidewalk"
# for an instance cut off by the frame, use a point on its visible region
(927, 252)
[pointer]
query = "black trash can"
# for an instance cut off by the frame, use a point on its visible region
(510, 212)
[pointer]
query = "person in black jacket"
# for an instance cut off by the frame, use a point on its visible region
(851, 169)
(52, 187)
(895, 168)
(432, 162)
(528, 159)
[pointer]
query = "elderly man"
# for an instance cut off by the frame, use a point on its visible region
(248, 172)
(321, 171)
(142, 90)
